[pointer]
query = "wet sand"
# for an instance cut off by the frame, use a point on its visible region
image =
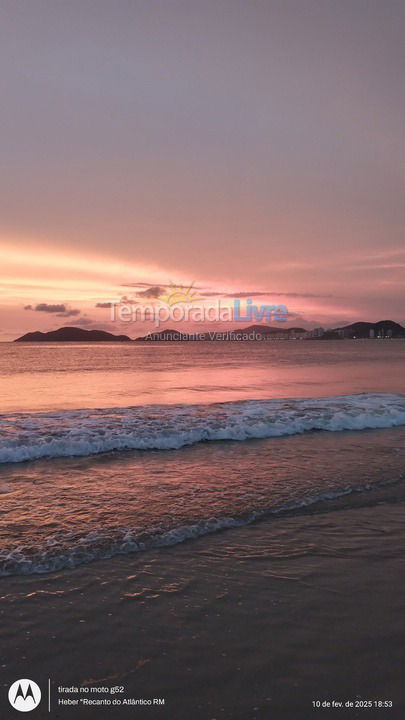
(250, 623)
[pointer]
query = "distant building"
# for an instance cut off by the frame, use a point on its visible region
(294, 335)
(372, 334)
(315, 333)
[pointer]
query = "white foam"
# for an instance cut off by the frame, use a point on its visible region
(97, 546)
(165, 427)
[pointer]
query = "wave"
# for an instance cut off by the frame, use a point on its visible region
(70, 433)
(102, 545)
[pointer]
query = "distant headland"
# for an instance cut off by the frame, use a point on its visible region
(72, 334)
(379, 330)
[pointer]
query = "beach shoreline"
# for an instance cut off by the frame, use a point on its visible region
(250, 623)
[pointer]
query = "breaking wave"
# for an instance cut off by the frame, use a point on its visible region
(70, 552)
(70, 433)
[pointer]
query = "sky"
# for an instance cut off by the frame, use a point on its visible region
(249, 146)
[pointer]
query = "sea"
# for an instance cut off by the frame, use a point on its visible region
(116, 448)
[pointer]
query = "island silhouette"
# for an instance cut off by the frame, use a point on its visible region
(380, 329)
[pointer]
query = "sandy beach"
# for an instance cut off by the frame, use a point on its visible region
(247, 624)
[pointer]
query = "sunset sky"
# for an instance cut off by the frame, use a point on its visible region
(250, 146)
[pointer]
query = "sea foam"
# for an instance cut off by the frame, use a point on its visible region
(105, 545)
(32, 436)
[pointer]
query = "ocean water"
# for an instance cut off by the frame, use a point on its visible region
(112, 449)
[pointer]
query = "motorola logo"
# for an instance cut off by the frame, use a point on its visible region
(24, 695)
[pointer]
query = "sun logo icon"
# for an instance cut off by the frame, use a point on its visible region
(179, 294)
